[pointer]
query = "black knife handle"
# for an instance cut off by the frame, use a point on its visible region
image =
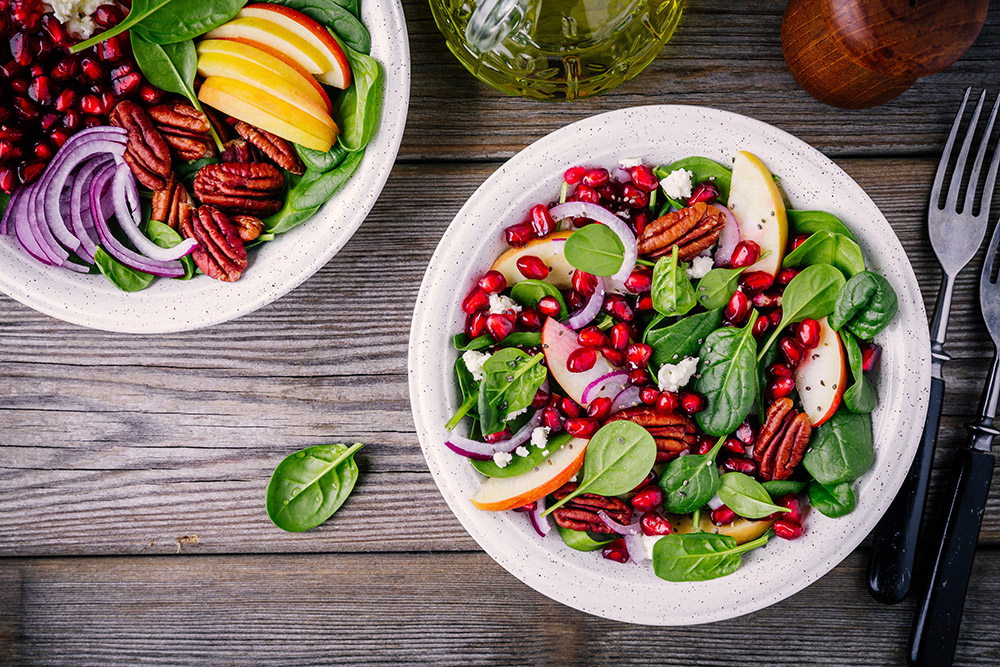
(894, 540)
(935, 629)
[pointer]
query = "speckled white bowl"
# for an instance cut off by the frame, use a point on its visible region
(661, 134)
(275, 268)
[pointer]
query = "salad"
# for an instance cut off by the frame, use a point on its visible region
(669, 364)
(166, 138)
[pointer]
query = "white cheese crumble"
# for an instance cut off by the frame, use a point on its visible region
(75, 14)
(474, 362)
(502, 459)
(501, 304)
(677, 184)
(629, 162)
(674, 376)
(540, 436)
(521, 451)
(699, 267)
(648, 542)
(513, 415)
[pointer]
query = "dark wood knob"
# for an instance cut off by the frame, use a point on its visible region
(859, 53)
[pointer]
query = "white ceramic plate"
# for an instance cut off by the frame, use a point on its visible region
(661, 134)
(275, 268)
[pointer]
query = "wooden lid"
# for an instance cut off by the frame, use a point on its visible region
(905, 38)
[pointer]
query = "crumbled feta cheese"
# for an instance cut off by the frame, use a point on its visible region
(674, 376)
(502, 459)
(699, 267)
(513, 415)
(474, 362)
(501, 304)
(629, 162)
(545, 453)
(521, 451)
(677, 184)
(76, 14)
(648, 542)
(573, 478)
(540, 436)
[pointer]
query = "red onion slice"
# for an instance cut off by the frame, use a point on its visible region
(126, 201)
(586, 314)
(24, 231)
(80, 212)
(636, 549)
(576, 209)
(716, 502)
(538, 522)
(609, 384)
(728, 239)
(5, 227)
(620, 528)
(43, 236)
(627, 398)
(484, 451)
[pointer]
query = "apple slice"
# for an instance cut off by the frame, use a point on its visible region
(275, 61)
(505, 493)
(558, 342)
(549, 250)
(757, 204)
(821, 376)
(338, 74)
(742, 530)
(278, 38)
(244, 102)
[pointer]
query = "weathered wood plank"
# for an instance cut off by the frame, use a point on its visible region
(460, 609)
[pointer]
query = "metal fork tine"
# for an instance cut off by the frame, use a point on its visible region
(991, 255)
(977, 165)
(959, 173)
(991, 179)
(946, 155)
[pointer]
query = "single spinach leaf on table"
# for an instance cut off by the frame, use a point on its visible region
(358, 109)
(833, 501)
(683, 338)
(618, 458)
(510, 380)
(699, 556)
(859, 397)
(123, 277)
(783, 487)
(746, 496)
(672, 292)
(522, 464)
(809, 222)
(811, 294)
(702, 169)
(865, 306)
(169, 21)
(841, 450)
(320, 161)
(337, 17)
(824, 247)
(310, 485)
(595, 249)
(165, 237)
(529, 292)
(581, 540)
(727, 378)
(688, 482)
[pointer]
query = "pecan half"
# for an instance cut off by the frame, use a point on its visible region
(169, 201)
(691, 229)
(580, 513)
(185, 128)
(220, 252)
(239, 188)
(673, 433)
(277, 149)
(146, 152)
(237, 150)
(782, 441)
(248, 226)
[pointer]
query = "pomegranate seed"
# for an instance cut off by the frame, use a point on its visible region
(549, 305)
(799, 240)
(574, 175)
(7, 179)
(738, 308)
(779, 371)
(756, 281)
(640, 280)
(634, 197)
(519, 235)
(532, 267)
(93, 70)
(55, 30)
(791, 351)
(705, 444)
(92, 121)
(476, 300)
(581, 360)
(126, 85)
(28, 172)
(722, 515)
(493, 282)
(639, 221)
(643, 178)
(592, 337)
(649, 499)
(43, 150)
(26, 109)
(498, 436)
(870, 354)
(787, 529)
(807, 333)
(746, 253)
(692, 403)
(760, 327)
(530, 507)
(108, 16)
(541, 221)
(791, 502)
(705, 191)
(614, 357)
(12, 134)
(654, 523)
(584, 283)
(499, 326)
(6, 151)
(574, 300)
(620, 334)
(152, 95)
(108, 102)
(595, 178)
(20, 49)
(552, 420)
(122, 70)
(617, 307)
(616, 551)
(734, 445)
(667, 402)
(780, 388)
(648, 395)
(50, 120)
(785, 276)
(737, 464)
(19, 85)
(475, 323)
(745, 434)
(644, 303)
(638, 377)
(59, 137)
(586, 194)
(638, 355)
(775, 316)
(570, 408)
(112, 49)
(540, 400)
(65, 69)
(91, 105)
(40, 90)
(529, 319)
(599, 408)
(770, 299)
(66, 100)
(581, 427)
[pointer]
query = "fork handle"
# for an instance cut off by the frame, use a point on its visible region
(894, 540)
(935, 629)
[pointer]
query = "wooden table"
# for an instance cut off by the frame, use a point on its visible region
(133, 468)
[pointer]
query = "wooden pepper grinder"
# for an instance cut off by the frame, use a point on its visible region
(856, 54)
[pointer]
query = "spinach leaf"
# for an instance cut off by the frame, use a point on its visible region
(337, 16)
(716, 287)
(865, 306)
(688, 482)
(595, 249)
(510, 380)
(165, 237)
(310, 191)
(672, 291)
(841, 450)
(462, 342)
(859, 397)
(683, 338)
(359, 108)
(618, 457)
(514, 339)
(702, 169)
(310, 485)
(169, 21)
(828, 248)
(529, 292)
(699, 556)
(745, 496)
(468, 385)
(123, 277)
(812, 293)
(522, 464)
(783, 487)
(581, 540)
(833, 501)
(727, 378)
(809, 222)
(186, 171)
(320, 161)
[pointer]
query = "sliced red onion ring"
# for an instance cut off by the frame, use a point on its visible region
(5, 227)
(635, 547)
(576, 209)
(626, 398)
(620, 528)
(586, 314)
(538, 522)
(728, 239)
(126, 200)
(620, 175)
(25, 234)
(80, 212)
(716, 502)
(484, 451)
(41, 232)
(610, 385)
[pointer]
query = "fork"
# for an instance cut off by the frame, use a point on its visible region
(955, 236)
(935, 629)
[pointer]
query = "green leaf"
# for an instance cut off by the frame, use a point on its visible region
(809, 222)
(746, 496)
(123, 277)
(522, 464)
(716, 287)
(359, 108)
(320, 161)
(467, 385)
(833, 501)
(828, 248)
(683, 338)
(865, 306)
(338, 16)
(672, 292)
(782, 487)
(595, 249)
(859, 397)
(462, 342)
(529, 292)
(514, 339)
(727, 378)
(310, 191)
(810, 294)
(841, 450)
(186, 171)
(169, 21)
(310, 485)
(581, 540)
(702, 169)
(165, 237)
(699, 556)
(688, 482)
(510, 380)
